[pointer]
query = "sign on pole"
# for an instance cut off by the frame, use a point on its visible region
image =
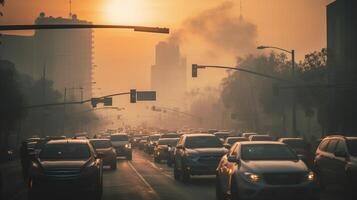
(146, 95)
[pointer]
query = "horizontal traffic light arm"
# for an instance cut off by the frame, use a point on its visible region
(242, 70)
(81, 26)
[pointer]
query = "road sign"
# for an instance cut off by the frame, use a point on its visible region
(146, 96)
(108, 101)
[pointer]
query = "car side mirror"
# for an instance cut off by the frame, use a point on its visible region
(180, 146)
(100, 155)
(227, 146)
(340, 154)
(232, 158)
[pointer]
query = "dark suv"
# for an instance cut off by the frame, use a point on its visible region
(336, 161)
(66, 167)
(197, 154)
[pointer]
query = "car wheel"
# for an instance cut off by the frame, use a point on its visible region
(320, 179)
(176, 173)
(219, 192)
(169, 163)
(234, 190)
(113, 166)
(129, 157)
(185, 175)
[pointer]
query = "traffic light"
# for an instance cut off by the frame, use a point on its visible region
(108, 101)
(133, 96)
(94, 102)
(194, 70)
(276, 90)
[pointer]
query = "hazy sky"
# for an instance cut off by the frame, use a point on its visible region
(124, 57)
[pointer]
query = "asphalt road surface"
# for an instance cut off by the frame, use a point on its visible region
(141, 179)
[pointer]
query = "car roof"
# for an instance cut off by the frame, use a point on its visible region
(99, 139)
(199, 135)
(235, 137)
(119, 134)
(260, 142)
(68, 141)
(284, 139)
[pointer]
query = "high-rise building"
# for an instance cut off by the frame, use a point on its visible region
(65, 54)
(342, 65)
(168, 75)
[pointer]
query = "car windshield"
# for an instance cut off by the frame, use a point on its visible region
(170, 136)
(154, 138)
(231, 141)
(203, 142)
(101, 144)
(171, 142)
(119, 138)
(267, 152)
(65, 151)
(352, 147)
(295, 144)
(222, 135)
(261, 138)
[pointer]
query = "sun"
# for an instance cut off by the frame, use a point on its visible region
(124, 11)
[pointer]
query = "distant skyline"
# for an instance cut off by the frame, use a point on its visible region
(124, 57)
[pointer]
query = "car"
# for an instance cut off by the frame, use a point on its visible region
(122, 145)
(300, 147)
(222, 135)
(151, 142)
(336, 162)
(197, 154)
(105, 147)
(261, 138)
(247, 135)
(229, 141)
(66, 167)
(161, 151)
(170, 135)
(143, 142)
(264, 170)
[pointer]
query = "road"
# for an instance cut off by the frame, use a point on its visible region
(142, 179)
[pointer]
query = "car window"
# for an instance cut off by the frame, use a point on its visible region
(267, 152)
(119, 138)
(67, 151)
(171, 142)
(203, 142)
(340, 147)
(331, 146)
(101, 144)
(323, 145)
(352, 147)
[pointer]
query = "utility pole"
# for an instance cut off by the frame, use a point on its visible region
(64, 110)
(295, 132)
(43, 100)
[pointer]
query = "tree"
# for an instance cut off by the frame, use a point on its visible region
(249, 96)
(12, 99)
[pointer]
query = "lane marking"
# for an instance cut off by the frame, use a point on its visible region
(151, 190)
(161, 170)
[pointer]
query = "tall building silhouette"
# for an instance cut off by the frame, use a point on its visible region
(65, 55)
(168, 75)
(342, 65)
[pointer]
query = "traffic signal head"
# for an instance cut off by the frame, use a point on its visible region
(194, 70)
(94, 102)
(133, 96)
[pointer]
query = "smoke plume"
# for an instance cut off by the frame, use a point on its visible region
(219, 28)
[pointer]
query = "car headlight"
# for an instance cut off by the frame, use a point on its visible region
(128, 146)
(169, 148)
(36, 169)
(310, 176)
(252, 177)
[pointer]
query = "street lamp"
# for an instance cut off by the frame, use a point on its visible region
(292, 53)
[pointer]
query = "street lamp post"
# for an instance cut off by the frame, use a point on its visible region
(292, 53)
